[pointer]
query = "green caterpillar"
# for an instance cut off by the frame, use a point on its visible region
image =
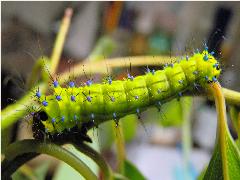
(69, 112)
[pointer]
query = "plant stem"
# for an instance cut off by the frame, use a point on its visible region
(232, 97)
(33, 146)
(114, 63)
(15, 111)
(120, 146)
(186, 104)
(216, 90)
(94, 155)
(9, 167)
(60, 40)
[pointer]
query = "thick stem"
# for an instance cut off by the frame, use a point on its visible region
(9, 167)
(94, 155)
(32, 146)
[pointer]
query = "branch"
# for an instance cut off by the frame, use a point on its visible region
(19, 149)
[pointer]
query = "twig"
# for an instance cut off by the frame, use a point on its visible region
(94, 155)
(60, 40)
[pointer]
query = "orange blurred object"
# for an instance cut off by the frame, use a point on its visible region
(112, 16)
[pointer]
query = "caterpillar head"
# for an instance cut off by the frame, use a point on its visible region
(38, 127)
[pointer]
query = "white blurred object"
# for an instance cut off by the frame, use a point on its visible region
(160, 162)
(83, 30)
(39, 15)
(205, 127)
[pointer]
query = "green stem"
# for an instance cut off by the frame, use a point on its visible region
(186, 104)
(232, 97)
(38, 67)
(21, 108)
(94, 155)
(32, 146)
(9, 167)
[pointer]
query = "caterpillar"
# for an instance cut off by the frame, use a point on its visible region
(68, 113)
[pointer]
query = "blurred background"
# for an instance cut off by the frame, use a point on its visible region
(133, 28)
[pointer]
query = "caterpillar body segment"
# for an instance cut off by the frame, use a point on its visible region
(73, 110)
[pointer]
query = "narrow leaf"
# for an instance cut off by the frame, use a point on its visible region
(131, 172)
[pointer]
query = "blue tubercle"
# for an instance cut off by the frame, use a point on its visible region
(206, 78)
(92, 116)
(205, 47)
(153, 72)
(138, 111)
(214, 79)
(58, 97)
(180, 81)
(205, 57)
(215, 65)
(89, 82)
(62, 118)
(89, 98)
(195, 72)
(38, 94)
(130, 77)
(109, 80)
(75, 117)
(45, 103)
(55, 83)
(53, 120)
(71, 84)
(148, 70)
(112, 98)
(73, 98)
(114, 115)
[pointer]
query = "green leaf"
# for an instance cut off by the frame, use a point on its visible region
(106, 135)
(235, 120)
(215, 167)
(131, 172)
(202, 174)
(170, 114)
(129, 124)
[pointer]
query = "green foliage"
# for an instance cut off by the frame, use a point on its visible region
(170, 114)
(234, 113)
(215, 167)
(131, 172)
(38, 173)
